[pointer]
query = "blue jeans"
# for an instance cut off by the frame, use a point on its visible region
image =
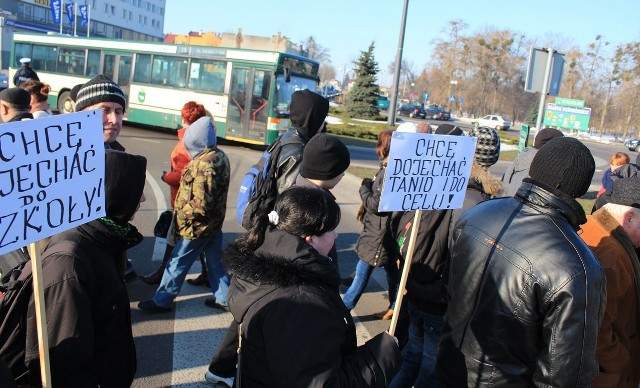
(363, 274)
(419, 364)
(184, 254)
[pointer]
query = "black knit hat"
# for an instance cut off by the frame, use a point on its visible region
(17, 97)
(564, 163)
(545, 135)
(487, 146)
(626, 192)
(73, 93)
(324, 158)
(307, 112)
(124, 183)
(99, 89)
(448, 129)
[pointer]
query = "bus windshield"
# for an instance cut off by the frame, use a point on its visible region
(284, 90)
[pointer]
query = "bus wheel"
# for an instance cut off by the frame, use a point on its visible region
(65, 103)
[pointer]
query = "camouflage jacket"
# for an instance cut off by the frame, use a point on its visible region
(201, 201)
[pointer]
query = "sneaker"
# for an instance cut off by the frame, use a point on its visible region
(215, 379)
(151, 307)
(211, 302)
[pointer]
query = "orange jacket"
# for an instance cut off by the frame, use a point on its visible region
(179, 160)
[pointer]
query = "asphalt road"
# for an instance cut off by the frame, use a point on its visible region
(174, 349)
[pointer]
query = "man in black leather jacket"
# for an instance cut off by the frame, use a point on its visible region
(526, 295)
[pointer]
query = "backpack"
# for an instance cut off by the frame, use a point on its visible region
(14, 306)
(259, 187)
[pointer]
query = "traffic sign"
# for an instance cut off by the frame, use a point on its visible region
(461, 99)
(452, 98)
(567, 117)
(426, 96)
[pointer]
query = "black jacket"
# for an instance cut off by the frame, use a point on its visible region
(88, 314)
(25, 73)
(290, 158)
(296, 332)
(375, 245)
(526, 295)
(431, 249)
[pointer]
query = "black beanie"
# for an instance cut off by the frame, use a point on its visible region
(564, 163)
(626, 192)
(324, 158)
(124, 183)
(487, 146)
(545, 135)
(308, 111)
(99, 89)
(448, 129)
(73, 93)
(17, 97)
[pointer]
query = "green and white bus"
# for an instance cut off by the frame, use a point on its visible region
(246, 92)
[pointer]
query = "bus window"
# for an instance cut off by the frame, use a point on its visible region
(142, 68)
(93, 63)
(71, 61)
(169, 71)
(45, 56)
(22, 50)
(207, 75)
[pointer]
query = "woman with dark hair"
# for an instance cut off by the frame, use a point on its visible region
(294, 329)
(39, 94)
(191, 112)
(376, 246)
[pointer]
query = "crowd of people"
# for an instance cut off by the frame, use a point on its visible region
(519, 287)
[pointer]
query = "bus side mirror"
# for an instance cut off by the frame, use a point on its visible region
(287, 74)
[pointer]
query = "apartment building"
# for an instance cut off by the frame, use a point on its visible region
(122, 19)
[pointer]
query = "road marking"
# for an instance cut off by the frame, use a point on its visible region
(146, 140)
(159, 243)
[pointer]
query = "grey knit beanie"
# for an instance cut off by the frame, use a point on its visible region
(99, 89)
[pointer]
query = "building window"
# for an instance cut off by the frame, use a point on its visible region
(113, 10)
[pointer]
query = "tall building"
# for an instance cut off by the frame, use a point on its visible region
(122, 19)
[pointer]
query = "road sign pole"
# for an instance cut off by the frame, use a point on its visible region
(396, 76)
(545, 88)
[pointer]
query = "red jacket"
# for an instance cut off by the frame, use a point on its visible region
(179, 160)
(618, 349)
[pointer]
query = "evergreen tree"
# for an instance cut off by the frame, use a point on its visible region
(361, 101)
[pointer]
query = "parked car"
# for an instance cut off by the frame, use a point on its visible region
(4, 82)
(633, 144)
(492, 121)
(411, 110)
(382, 102)
(436, 112)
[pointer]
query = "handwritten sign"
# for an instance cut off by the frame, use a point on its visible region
(51, 176)
(427, 171)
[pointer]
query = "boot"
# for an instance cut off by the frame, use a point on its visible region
(203, 278)
(154, 278)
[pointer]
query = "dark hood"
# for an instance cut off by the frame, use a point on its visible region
(282, 261)
(124, 183)
(308, 111)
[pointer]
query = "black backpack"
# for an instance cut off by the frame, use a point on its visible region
(14, 306)
(259, 187)
(10, 265)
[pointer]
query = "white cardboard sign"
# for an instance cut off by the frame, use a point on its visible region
(51, 176)
(427, 171)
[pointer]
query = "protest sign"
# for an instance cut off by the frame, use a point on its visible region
(427, 171)
(51, 176)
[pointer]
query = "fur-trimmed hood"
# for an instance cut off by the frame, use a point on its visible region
(484, 181)
(283, 261)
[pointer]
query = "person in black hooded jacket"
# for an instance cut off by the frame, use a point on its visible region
(294, 329)
(87, 304)
(307, 114)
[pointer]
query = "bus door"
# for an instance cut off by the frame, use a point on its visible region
(248, 108)
(118, 68)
